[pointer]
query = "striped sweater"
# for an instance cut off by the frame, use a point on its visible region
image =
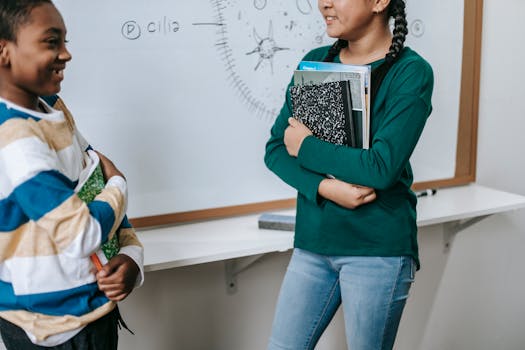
(47, 233)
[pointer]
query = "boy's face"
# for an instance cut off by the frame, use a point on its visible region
(34, 65)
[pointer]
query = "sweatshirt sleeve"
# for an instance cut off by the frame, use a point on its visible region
(288, 168)
(277, 159)
(131, 246)
(46, 196)
(407, 107)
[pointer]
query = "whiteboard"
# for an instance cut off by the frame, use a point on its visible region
(182, 95)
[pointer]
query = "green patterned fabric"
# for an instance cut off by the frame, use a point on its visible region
(92, 188)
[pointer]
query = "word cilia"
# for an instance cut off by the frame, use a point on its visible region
(133, 30)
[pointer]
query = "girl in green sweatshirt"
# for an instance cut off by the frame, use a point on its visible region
(355, 239)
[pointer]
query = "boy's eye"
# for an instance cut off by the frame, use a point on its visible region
(54, 41)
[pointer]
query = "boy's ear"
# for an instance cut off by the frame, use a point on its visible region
(4, 53)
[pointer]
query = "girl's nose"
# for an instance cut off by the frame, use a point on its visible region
(325, 3)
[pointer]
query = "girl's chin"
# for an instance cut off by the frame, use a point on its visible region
(333, 34)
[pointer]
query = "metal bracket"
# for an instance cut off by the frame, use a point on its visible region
(451, 229)
(234, 267)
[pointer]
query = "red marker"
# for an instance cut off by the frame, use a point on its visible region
(96, 261)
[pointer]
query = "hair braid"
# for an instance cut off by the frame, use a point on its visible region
(335, 49)
(396, 10)
(400, 31)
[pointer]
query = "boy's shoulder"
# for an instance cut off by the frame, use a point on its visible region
(9, 111)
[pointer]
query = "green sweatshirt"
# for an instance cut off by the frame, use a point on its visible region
(386, 226)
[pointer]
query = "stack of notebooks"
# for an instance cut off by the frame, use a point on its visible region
(332, 100)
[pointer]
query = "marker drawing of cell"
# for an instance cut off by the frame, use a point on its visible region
(259, 4)
(417, 28)
(260, 43)
(266, 47)
(304, 6)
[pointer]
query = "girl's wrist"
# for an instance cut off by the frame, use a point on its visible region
(324, 188)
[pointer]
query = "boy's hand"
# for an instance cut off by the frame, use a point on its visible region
(108, 168)
(344, 194)
(117, 278)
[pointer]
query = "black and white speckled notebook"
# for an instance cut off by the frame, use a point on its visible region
(326, 109)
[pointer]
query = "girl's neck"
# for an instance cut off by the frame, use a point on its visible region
(367, 49)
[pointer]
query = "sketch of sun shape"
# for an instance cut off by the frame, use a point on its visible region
(266, 47)
(261, 42)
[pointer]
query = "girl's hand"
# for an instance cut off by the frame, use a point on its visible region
(108, 168)
(344, 194)
(294, 135)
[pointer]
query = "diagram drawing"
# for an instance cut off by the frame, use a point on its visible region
(260, 43)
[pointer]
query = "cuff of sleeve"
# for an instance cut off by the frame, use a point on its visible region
(313, 194)
(310, 189)
(137, 254)
(307, 148)
(120, 183)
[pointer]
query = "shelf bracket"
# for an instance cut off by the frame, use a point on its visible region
(234, 267)
(451, 229)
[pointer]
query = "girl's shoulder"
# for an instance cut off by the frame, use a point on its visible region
(411, 59)
(317, 54)
(411, 74)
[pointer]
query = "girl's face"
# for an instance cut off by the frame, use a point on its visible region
(35, 62)
(347, 19)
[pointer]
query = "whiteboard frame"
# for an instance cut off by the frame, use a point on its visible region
(466, 152)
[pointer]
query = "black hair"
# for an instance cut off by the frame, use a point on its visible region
(14, 13)
(396, 10)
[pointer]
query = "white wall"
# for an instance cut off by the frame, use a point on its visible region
(189, 309)
(469, 298)
(480, 303)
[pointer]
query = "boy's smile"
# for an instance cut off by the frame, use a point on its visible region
(33, 65)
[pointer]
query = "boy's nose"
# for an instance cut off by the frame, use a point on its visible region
(65, 55)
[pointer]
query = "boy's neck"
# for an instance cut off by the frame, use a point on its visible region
(22, 99)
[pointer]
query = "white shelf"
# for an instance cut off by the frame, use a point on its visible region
(237, 237)
(465, 202)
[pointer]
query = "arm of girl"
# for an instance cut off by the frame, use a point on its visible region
(342, 193)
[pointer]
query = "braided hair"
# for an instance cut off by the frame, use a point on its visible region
(396, 9)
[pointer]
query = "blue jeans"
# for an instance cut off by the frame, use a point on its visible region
(373, 291)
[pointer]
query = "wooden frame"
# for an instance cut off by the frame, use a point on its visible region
(467, 140)
(466, 151)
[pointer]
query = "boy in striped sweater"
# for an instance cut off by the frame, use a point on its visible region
(49, 292)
